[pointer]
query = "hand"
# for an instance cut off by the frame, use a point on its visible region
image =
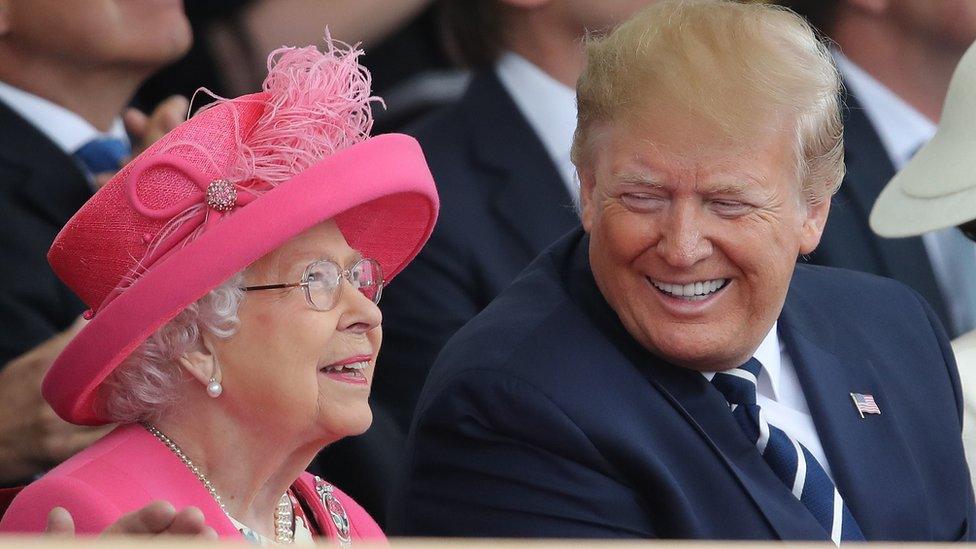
(157, 518)
(32, 437)
(147, 129)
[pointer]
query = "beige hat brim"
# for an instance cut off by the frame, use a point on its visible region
(899, 212)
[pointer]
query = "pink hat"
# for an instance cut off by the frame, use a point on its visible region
(236, 181)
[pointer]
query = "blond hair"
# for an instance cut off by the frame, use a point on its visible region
(738, 66)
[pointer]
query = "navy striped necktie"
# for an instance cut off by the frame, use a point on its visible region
(790, 460)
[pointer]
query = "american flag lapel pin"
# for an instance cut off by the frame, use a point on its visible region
(865, 404)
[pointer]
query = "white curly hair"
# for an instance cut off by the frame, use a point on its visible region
(144, 386)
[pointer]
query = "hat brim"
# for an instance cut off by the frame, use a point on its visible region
(389, 217)
(899, 213)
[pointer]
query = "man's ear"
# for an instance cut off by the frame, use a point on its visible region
(813, 226)
(201, 364)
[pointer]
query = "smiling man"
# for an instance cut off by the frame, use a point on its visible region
(668, 370)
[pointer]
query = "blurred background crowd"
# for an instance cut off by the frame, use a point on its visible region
(486, 86)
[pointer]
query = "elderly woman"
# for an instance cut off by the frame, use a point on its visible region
(233, 272)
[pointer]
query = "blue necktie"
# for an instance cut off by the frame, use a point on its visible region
(789, 459)
(103, 154)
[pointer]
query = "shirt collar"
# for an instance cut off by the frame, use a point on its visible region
(66, 129)
(769, 355)
(902, 129)
(547, 104)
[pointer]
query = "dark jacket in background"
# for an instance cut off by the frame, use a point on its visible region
(502, 202)
(40, 189)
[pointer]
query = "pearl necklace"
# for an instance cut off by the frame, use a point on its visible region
(284, 513)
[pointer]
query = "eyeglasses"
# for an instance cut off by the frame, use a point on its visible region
(322, 282)
(968, 229)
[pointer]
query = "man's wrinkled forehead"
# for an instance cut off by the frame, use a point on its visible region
(720, 182)
(654, 150)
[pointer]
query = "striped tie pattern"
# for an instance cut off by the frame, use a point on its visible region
(789, 459)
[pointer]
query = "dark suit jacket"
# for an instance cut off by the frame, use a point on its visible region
(502, 202)
(848, 240)
(543, 417)
(40, 189)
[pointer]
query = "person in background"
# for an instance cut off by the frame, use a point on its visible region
(232, 273)
(936, 191)
(68, 68)
(232, 38)
(668, 370)
(500, 156)
(896, 58)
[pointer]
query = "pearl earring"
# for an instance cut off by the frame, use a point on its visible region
(214, 388)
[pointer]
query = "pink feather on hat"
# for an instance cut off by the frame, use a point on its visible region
(318, 104)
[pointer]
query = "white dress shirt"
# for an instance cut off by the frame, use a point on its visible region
(65, 128)
(903, 130)
(550, 108)
(781, 398)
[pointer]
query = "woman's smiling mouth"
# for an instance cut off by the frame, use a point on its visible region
(350, 370)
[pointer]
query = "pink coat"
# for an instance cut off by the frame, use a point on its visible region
(128, 469)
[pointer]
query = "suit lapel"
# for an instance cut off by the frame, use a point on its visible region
(47, 180)
(869, 457)
(869, 169)
(531, 198)
(705, 410)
